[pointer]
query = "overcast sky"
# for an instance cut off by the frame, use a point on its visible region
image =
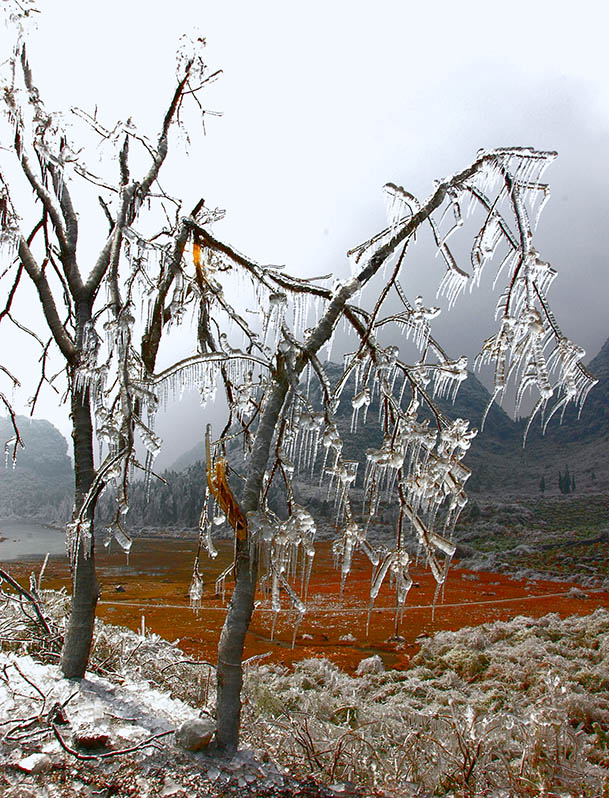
(324, 102)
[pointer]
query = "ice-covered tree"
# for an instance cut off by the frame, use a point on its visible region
(94, 312)
(282, 405)
(496, 200)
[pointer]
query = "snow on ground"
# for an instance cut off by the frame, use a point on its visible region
(131, 711)
(119, 726)
(119, 715)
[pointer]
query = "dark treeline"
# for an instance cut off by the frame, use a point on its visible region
(174, 502)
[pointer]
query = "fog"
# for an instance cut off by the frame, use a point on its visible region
(324, 103)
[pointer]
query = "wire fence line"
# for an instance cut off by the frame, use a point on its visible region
(355, 610)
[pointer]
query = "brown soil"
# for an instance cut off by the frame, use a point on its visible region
(157, 580)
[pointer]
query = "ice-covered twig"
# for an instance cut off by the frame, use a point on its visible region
(148, 742)
(5, 576)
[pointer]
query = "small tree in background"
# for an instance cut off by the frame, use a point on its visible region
(566, 483)
(271, 368)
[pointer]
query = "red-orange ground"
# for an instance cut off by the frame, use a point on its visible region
(157, 580)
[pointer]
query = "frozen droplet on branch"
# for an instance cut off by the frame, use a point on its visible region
(196, 592)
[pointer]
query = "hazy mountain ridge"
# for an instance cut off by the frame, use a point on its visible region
(40, 485)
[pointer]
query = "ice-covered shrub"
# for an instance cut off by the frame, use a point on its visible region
(499, 707)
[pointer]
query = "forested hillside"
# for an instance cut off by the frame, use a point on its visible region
(174, 501)
(40, 483)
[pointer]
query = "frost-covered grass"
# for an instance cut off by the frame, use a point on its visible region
(502, 709)
(563, 538)
(518, 708)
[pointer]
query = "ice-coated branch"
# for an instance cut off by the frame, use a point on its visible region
(58, 207)
(12, 291)
(48, 202)
(151, 337)
(264, 274)
(53, 164)
(16, 440)
(434, 472)
(381, 252)
(62, 338)
(101, 266)
(6, 577)
(162, 143)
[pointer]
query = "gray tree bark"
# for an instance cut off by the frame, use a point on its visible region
(85, 588)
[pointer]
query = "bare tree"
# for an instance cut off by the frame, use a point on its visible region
(268, 366)
(90, 316)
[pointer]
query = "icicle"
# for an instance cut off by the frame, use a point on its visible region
(196, 592)
(11, 442)
(221, 581)
(78, 532)
(123, 539)
(401, 204)
(452, 285)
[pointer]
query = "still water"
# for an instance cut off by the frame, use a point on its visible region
(23, 540)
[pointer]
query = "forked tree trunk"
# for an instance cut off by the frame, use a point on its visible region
(85, 589)
(230, 648)
(229, 673)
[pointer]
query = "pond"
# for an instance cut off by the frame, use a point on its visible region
(21, 540)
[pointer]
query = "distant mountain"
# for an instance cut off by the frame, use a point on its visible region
(189, 458)
(593, 422)
(40, 485)
(498, 461)
(580, 444)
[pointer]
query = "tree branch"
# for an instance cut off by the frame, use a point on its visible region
(38, 277)
(151, 338)
(18, 441)
(101, 266)
(4, 575)
(161, 150)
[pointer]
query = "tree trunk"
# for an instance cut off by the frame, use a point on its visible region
(85, 589)
(230, 651)
(229, 674)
